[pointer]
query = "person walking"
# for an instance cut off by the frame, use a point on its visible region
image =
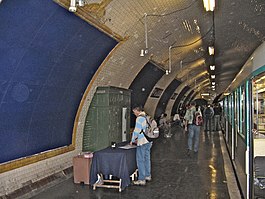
(193, 129)
(143, 150)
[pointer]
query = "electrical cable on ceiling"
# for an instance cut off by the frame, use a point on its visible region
(187, 62)
(185, 45)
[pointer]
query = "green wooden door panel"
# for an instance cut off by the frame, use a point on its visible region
(103, 123)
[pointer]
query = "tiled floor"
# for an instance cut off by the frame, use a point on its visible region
(174, 174)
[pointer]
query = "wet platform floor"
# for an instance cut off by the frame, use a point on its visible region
(174, 173)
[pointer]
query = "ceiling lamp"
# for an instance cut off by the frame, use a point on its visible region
(211, 50)
(212, 67)
(142, 53)
(213, 83)
(209, 5)
(213, 76)
(81, 3)
(72, 7)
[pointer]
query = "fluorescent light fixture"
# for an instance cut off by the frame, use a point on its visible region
(209, 5)
(213, 76)
(212, 67)
(142, 53)
(81, 3)
(211, 50)
(226, 94)
(205, 94)
(72, 7)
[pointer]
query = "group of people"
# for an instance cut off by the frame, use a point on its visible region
(192, 126)
(208, 115)
(212, 114)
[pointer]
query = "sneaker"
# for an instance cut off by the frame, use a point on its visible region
(148, 178)
(139, 182)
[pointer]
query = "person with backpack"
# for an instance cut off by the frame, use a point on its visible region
(208, 115)
(192, 122)
(143, 150)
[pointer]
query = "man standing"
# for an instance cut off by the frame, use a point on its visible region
(208, 115)
(143, 147)
(217, 116)
(193, 130)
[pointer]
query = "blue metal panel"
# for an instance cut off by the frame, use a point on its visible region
(180, 96)
(47, 59)
(143, 84)
(162, 104)
(188, 97)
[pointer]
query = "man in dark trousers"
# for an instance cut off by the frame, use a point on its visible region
(217, 116)
(208, 115)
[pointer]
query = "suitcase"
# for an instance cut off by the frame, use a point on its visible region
(81, 167)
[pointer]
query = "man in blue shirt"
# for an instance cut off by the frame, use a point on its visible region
(193, 129)
(143, 147)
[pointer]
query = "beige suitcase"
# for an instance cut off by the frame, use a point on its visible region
(81, 167)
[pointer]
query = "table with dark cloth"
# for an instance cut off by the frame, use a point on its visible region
(117, 162)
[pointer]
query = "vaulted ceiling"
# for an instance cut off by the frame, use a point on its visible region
(176, 35)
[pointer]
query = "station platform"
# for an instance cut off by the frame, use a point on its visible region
(206, 174)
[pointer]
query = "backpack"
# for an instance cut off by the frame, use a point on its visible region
(152, 130)
(197, 118)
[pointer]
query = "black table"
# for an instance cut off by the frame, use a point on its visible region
(117, 162)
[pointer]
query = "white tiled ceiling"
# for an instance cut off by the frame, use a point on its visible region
(184, 24)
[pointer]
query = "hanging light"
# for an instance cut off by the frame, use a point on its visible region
(213, 76)
(142, 53)
(211, 50)
(81, 3)
(72, 7)
(213, 83)
(209, 5)
(212, 67)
